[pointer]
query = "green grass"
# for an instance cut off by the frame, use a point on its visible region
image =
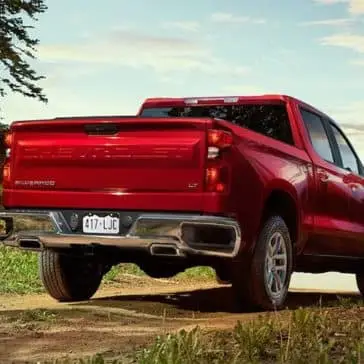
(38, 315)
(306, 336)
(309, 336)
(19, 272)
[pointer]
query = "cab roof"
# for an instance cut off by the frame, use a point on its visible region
(154, 102)
(212, 99)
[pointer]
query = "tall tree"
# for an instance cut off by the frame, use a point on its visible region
(17, 48)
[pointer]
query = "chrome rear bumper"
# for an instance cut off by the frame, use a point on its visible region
(160, 234)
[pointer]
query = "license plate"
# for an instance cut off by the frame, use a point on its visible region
(95, 224)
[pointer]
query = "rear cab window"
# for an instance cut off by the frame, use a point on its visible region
(270, 120)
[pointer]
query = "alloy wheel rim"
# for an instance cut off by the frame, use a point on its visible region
(276, 266)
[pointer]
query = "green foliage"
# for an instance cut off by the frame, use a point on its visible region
(3, 128)
(201, 273)
(18, 272)
(17, 47)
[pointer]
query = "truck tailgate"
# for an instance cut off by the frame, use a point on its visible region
(125, 155)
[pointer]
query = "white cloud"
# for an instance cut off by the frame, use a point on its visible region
(229, 18)
(68, 64)
(62, 102)
(357, 62)
(258, 21)
(355, 7)
(188, 26)
(125, 48)
(333, 22)
(351, 41)
(351, 118)
(330, 2)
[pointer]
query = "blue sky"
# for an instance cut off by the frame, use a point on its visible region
(102, 59)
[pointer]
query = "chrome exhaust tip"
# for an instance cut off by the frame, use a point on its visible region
(166, 250)
(30, 244)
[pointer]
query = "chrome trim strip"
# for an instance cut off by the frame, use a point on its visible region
(49, 228)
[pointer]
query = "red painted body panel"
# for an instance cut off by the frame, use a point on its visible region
(138, 157)
(211, 203)
(159, 165)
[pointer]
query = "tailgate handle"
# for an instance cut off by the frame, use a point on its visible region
(101, 129)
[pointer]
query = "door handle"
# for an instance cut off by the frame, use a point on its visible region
(323, 176)
(354, 186)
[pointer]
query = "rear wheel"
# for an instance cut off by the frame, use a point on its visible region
(264, 282)
(69, 278)
(360, 282)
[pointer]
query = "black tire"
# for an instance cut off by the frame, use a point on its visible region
(254, 283)
(360, 282)
(69, 278)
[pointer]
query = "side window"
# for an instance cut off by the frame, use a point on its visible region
(347, 155)
(318, 136)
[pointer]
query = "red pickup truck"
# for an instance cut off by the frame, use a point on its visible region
(255, 187)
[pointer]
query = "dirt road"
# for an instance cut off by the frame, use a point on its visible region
(119, 319)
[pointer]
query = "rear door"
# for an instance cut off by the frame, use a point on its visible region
(332, 222)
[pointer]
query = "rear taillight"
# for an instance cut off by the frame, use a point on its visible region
(216, 174)
(216, 141)
(219, 138)
(8, 141)
(214, 181)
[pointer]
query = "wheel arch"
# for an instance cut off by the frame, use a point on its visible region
(283, 202)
